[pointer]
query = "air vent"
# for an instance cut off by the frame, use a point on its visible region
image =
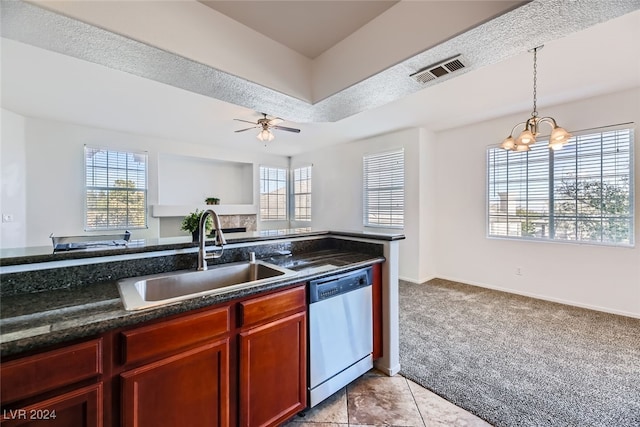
(440, 69)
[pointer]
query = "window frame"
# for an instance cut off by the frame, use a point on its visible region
(388, 175)
(262, 171)
(295, 194)
(135, 173)
(579, 151)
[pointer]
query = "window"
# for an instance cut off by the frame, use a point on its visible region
(116, 186)
(273, 194)
(302, 194)
(383, 181)
(582, 193)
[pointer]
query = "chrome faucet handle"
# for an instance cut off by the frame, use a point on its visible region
(219, 239)
(252, 257)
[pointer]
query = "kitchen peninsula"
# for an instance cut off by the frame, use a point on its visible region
(53, 302)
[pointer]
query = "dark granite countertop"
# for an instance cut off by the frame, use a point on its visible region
(28, 255)
(35, 320)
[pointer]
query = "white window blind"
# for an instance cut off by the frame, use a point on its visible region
(383, 189)
(116, 189)
(582, 193)
(273, 194)
(302, 193)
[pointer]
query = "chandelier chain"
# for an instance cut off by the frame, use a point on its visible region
(534, 113)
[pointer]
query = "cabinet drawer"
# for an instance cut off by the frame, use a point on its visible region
(263, 309)
(36, 374)
(162, 338)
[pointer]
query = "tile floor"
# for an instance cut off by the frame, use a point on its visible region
(378, 400)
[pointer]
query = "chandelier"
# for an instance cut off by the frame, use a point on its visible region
(559, 136)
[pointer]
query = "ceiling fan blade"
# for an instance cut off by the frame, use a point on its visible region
(286, 128)
(245, 121)
(242, 130)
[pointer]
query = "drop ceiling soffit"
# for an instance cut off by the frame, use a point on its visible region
(508, 35)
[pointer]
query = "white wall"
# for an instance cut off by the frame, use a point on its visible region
(187, 180)
(53, 165)
(13, 202)
(404, 30)
(200, 33)
(600, 277)
(337, 193)
(428, 248)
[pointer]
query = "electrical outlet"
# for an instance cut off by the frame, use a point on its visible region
(7, 217)
(518, 271)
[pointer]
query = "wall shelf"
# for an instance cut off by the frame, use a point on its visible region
(164, 211)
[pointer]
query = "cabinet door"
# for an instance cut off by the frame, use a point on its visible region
(188, 389)
(273, 371)
(78, 408)
(33, 375)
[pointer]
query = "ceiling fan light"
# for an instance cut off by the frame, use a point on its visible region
(522, 147)
(265, 135)
(508, 144)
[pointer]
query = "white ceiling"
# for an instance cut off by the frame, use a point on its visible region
(41, 83)
(308, 27)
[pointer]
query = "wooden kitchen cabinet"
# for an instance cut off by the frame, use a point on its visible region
(187, 371)
(186, 389)
(59, 387)
(78, 408)
(180, 372)
(241, 363)
(273, 358)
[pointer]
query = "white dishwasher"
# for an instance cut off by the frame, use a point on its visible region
(340, 332)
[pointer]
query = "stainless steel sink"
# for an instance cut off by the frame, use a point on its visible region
(160, 289)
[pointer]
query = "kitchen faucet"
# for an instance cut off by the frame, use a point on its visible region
(218, 240)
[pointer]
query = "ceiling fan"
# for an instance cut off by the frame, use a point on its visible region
(266, 125)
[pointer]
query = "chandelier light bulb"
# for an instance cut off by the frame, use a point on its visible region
(526, 138)
(509, 143)
(559, 135)
(556, 145)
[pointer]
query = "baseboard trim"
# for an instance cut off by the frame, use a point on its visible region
(542, 297)
(390, 371)
(417, 282)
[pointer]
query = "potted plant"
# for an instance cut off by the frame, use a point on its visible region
(191, 222)
(212, 201)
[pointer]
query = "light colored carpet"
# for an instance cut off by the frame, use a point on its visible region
(518, 361)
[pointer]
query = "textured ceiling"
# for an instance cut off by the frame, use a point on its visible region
(510, 34)
(308, 27)
(92, 77)
(196, 32)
